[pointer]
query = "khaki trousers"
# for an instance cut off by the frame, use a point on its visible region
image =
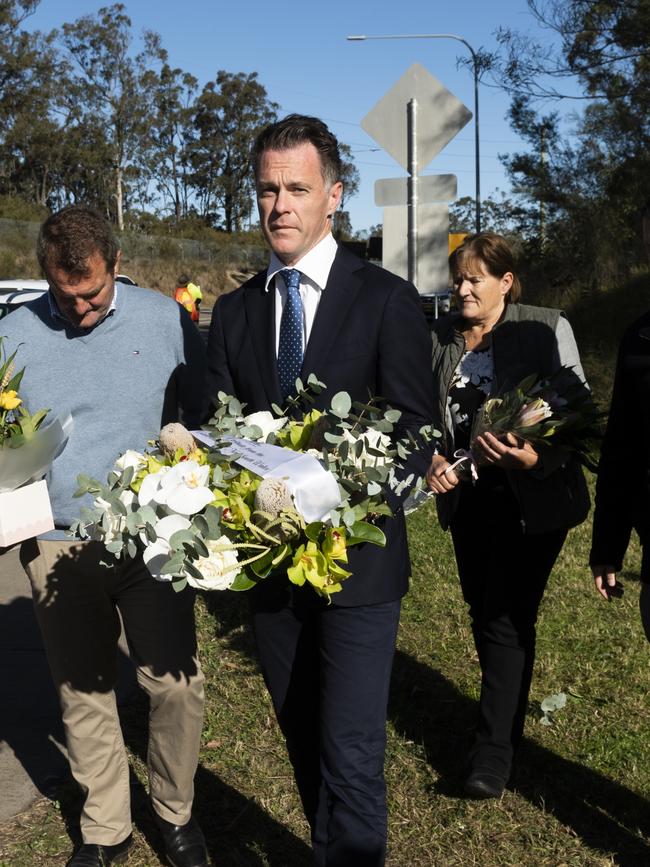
(76, 601)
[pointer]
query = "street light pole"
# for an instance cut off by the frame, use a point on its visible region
(477, 158)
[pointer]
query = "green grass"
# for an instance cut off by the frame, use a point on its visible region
(581, 790)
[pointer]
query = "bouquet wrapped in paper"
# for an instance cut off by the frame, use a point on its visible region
(249, 495)
(27, 448)
(556, 411)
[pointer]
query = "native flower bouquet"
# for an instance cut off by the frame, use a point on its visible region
(27, 448)
(556, 411)
(249, 495)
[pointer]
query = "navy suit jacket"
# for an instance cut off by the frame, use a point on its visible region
(369, 337)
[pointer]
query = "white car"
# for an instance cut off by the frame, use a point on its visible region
(14, 293)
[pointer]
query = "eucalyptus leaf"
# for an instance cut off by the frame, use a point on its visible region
(212, 516)
(193, 571)
(174, 565)
(179, 538)
(200, 547)
(341, 404)
(553, 702)
(146, 515)
(200, 525)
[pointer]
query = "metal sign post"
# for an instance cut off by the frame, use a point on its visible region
(415, 230)
(412, 123)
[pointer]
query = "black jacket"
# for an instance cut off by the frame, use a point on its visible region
(623, 487)
(524, 342)
(369, 337)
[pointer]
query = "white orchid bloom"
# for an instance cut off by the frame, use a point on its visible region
(266, 422)
(157, 553)
(151, 485)
(184, 489)
(215, 569)
(131, 458)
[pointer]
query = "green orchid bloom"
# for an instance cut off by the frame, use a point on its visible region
(335, 544)
(296, 434)
(309, 564)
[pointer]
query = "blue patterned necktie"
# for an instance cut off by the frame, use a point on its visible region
(290, 349)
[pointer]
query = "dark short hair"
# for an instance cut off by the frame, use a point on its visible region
(184, 279)
(493, 252)
(70, 237)
(294, 130)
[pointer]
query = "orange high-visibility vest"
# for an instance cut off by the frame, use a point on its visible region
(185, 300)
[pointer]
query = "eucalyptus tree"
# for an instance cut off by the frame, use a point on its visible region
(590, 185)
(230, 112)
(170, 93)
(106, 85)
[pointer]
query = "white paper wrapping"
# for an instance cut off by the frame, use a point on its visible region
(31, 460)
(24, 513)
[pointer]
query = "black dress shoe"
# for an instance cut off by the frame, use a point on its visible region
(96, 855)
(480, 785)
(184, 844)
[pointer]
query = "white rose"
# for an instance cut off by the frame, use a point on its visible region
(216, 568)
(131, 458)
(266, 422)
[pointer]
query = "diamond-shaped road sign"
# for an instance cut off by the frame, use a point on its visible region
(440, 116)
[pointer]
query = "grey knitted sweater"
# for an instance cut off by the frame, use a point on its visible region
(120, 380)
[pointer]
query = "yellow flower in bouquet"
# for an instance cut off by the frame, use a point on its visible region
(9, 399)
(16, 424)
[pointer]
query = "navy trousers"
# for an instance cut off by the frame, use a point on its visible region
(328, 670)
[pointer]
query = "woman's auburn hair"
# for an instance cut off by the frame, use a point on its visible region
(493, 252)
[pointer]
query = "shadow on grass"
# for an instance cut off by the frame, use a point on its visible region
(238, 832)
(427, 708)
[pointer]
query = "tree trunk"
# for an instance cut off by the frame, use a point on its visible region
(119, 198)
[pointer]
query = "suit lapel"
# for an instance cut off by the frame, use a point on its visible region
(260, 314)
(338, 297)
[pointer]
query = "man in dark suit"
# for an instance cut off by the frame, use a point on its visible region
(623, 487)
(319, 309)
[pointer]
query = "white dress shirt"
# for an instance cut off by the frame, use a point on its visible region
(314, 267)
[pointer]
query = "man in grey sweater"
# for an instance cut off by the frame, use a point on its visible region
(122, 361)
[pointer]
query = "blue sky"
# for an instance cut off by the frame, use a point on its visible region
(301, 55)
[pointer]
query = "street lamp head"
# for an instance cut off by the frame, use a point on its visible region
(355, 38)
